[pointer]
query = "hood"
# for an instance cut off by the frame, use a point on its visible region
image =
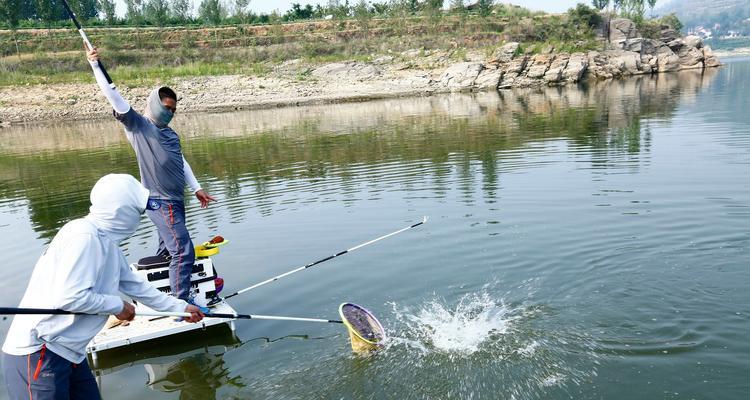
(117, 202)
(155, 110)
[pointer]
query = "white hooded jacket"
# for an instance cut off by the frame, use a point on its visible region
(82, 270)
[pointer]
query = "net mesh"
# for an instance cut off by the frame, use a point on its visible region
(363, 322)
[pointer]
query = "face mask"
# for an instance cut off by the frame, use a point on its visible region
(156, 112)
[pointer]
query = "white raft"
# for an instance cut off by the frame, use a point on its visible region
(143, 328)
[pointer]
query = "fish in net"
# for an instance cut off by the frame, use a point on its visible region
(365, 330)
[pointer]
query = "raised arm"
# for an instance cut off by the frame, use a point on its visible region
(110, 92)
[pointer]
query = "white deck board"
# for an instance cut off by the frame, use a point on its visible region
(144, 328)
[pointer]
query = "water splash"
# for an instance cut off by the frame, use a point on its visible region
(469, 326)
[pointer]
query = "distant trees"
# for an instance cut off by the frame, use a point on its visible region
(240, 10)
(156, 11)
(212, 11)
(485, 7)
(181, 10)
(600, 4)
(107, 8)
(134, 11)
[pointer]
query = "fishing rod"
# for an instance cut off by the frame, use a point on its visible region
(322, 260)
(51, 311)
(72, 16)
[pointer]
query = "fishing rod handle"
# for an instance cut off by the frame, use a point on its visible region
(86, 41)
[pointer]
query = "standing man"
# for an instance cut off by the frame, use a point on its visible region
(164, 172)
(82, 270)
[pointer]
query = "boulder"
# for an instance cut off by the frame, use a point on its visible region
(540, 63)
(505, 53)
(555, 72)
(650, 47)
(461, 75)
(668, 34)
(691, 57)
(512, 71)
(627, 62)
(709, 59)
(576, 67)
(351, 70)
(620, 30)
(667, 60)
(598, 66)
(693, 41)
(635, 44)
(489, 78)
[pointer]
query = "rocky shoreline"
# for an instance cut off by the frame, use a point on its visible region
(416, 72)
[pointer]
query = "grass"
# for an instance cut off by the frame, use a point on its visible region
(145, 56)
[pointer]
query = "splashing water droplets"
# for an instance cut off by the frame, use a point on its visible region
(476, 320)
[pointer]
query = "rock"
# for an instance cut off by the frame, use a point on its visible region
(635, 44)
(489, 78)
(512, 71)
(505, 53)
(382, 60)
(627, 62)
(693, 41)
(352, 70)
(668, 34)
(576, 67)
(540, 63)
(461, 76)
(650, 47)
(555, 72)
(71, 102)
(598, 65)
(667, 60)
(691, 57)
(709, 59)
(620, 30)
(676, 45)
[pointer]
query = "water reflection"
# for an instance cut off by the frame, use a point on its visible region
(268, 160)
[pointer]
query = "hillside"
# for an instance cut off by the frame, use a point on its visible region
(722, 17)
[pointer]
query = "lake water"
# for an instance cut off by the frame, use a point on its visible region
(587, 243)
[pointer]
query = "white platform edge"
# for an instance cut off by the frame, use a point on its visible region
(142, 329)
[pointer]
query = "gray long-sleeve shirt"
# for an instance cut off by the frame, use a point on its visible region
(159, 155)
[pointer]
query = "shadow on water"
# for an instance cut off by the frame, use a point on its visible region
(53, 167)
(191, 363)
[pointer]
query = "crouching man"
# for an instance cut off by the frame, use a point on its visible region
(82, 270)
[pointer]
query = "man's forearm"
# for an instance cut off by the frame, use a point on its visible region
(115, 99)
(189, 176)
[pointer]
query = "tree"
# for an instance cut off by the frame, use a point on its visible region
(46, 12)
(485, 7)
(211, 11)
(584, 16)
(156, 12)
(363, 16)
(84, 9)
(10, 14)
(458, 6)
(601, 4)
(107, 8)
(651, 5)
(134, 11)
(181, 10)
(240, 10)
(298, 12)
